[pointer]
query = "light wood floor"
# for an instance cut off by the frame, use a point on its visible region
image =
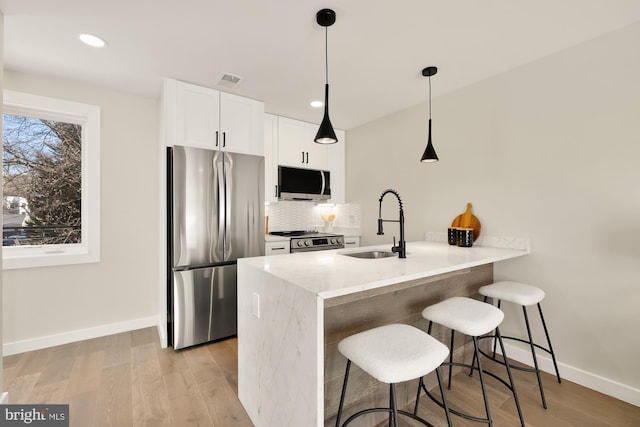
(128, 380)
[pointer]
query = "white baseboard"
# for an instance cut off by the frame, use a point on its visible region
(4, 398)
(77, 335)
(587, 379)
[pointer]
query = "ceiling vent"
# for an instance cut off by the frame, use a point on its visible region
(229, 80)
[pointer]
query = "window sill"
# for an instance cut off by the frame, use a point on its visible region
(40, 256)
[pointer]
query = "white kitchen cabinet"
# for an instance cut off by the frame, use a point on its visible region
(336, 168)
(296, 146)
(352, 242)
(241, 124)
(270, 158)
(197, 115)
(210, 119)
(276, 248)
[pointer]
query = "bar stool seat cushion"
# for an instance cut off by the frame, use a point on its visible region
(466, 315)
(515, 292)
(394, 353)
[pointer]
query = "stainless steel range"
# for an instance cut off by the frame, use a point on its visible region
(307, 241)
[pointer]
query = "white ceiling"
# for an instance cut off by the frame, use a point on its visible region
(377, 48)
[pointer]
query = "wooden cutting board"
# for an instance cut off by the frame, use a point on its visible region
(468, 220)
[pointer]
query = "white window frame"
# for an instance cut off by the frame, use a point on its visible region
(89, 117)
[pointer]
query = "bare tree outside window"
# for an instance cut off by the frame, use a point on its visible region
(42, 167)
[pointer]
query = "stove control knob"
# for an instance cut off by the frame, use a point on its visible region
(300, 243)
(307, 243)
(339, 241)
(333, 241)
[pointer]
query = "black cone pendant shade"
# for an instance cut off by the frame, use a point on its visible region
(326, 134)
(429, 154)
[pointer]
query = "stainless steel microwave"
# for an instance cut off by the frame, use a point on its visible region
(303, 184)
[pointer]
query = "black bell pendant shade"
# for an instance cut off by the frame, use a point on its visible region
(429, 154)
(326, 134)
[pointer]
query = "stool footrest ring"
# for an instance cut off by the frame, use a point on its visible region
(458, 413)
(519, 368)
(389, 410)
(451, 410)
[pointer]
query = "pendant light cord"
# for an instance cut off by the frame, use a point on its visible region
(326, 57)
(429, 97)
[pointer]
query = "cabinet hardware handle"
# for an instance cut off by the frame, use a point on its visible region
(224, 139)
(307, 157)
(302, 156)
(277, 249)
(216, 138)
(350, 243)
(276, 186)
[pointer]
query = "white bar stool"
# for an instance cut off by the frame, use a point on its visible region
(473, 318)
(524, 295)
(392, 354)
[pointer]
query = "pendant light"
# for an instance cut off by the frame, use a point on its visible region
(429, 154)
(326, 134)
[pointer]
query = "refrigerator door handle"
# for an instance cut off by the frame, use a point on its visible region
(228, 173)
(212, 282)
(220, 202)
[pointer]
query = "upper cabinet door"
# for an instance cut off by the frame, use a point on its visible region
(241, 124)
(214, 120)
(270, 158)
(296, 147)
(290, 135)
(197, 116)
(317, 154)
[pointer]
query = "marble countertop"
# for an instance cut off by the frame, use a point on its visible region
(331, 274)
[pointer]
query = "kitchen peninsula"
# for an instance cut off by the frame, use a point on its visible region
(294, 309)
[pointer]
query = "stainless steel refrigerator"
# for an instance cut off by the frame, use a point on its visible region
(215, 215)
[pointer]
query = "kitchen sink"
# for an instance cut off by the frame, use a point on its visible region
(370, 254)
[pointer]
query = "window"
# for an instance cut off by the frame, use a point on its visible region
(51, 181)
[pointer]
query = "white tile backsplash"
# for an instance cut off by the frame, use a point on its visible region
(289, 215)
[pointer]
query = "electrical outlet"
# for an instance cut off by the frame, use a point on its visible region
(256, 305)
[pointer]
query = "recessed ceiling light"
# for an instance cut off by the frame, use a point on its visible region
(92, 40)
(317, 104)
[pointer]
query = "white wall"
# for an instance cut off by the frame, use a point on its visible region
(547, 151)
(44, 306)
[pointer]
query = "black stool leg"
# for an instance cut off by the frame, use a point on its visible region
(494, 332)
(445, 405)
(495, 344)
(535, 359)
(394, 405)
(476, 353)
(473, 360)
(553, 355)
(344, 390)
(450, 359)
(444, 397)
(420, 385)
(513, 385)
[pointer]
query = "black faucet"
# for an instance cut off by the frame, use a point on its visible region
(401, 249)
